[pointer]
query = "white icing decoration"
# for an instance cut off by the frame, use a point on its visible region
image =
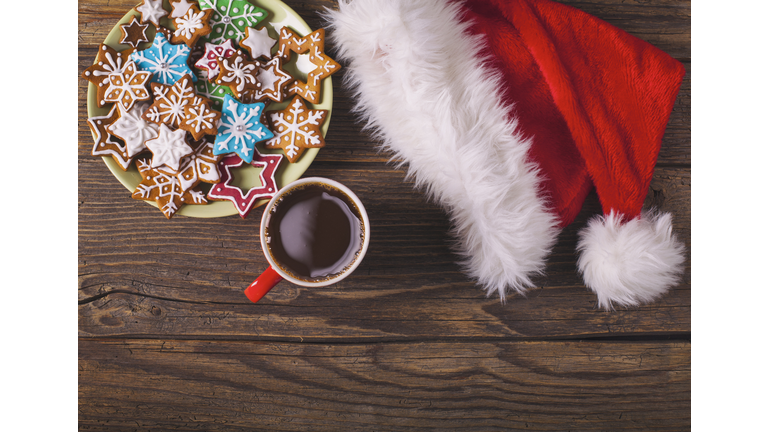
(259, 42)
(190, 23)
(133, 129)
(169, 147)
(152, 10)
(180, 8)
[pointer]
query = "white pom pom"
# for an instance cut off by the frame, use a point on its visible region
(629, 263)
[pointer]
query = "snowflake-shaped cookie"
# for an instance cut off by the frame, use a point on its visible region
(170, 101)
(108, 61)
(167, 62)
(192, 26)
(258, 42)
(103, 144)
(272, 81)
(202, 165)
(296, 128)
(231, 18)
(240, 129)
(127, 86)
(134, 33)
(318, 67)
(169, 148)
(209, 60)
(244, 201)
(165, 189)
(133, 129)
(151, 11)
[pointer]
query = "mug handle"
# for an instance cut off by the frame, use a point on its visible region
(262, 284)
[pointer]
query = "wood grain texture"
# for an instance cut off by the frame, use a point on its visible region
(169, 342)
(225, 386)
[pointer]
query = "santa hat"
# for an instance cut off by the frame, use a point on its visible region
(508, 112)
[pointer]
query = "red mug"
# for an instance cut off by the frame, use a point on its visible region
(314, 232)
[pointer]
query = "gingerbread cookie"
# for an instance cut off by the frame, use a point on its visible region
(240, 129)
(165, 189)
(134, 33)
(179, 8)
(258, 42)
(200, 119)
(238, 73)
(192, 26)
(168, 148)
(104, 145)
(272, 81)
(133, 129)
(296, 128)
(151, 11)
(170, 101)
(108, 61)
(317, 67)
(128, 86)
(167, 62)
(231, 17)
(244, 201)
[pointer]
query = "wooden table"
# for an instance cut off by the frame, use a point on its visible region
(168, 341)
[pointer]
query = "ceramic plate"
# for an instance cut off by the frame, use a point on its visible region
(280, 15)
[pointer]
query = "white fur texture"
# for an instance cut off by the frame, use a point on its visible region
(628, 263)
(431, 101)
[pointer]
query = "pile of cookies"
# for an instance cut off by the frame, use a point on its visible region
(191, 107)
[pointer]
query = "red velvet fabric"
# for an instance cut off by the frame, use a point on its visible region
(595, 99)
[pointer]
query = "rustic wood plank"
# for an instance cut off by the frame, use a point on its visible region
(141, 274)
(203, 385)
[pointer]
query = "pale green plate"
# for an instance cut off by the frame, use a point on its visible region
(279, 15)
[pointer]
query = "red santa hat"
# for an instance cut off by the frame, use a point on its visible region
(507, 113)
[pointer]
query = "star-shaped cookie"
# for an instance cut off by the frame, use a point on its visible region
(272, 81)
(165, 189)
(108, 61)
(240, 129)
(169, 148)
(192, 26)
(134, 33)
(167, 62)
(151, 11)
(258, 42)
(179, 8)
(244, 202)
(200, 119)
(103, 144)
(238, 73)
(170, 101)
(296, 128)
(128, 86)
(318, 66)
(133, 129)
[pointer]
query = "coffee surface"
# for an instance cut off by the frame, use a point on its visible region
(314, 232)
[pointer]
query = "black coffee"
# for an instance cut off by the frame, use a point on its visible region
(314, 231)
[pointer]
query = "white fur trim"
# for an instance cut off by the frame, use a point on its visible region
(427, 95)
(630, 263)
